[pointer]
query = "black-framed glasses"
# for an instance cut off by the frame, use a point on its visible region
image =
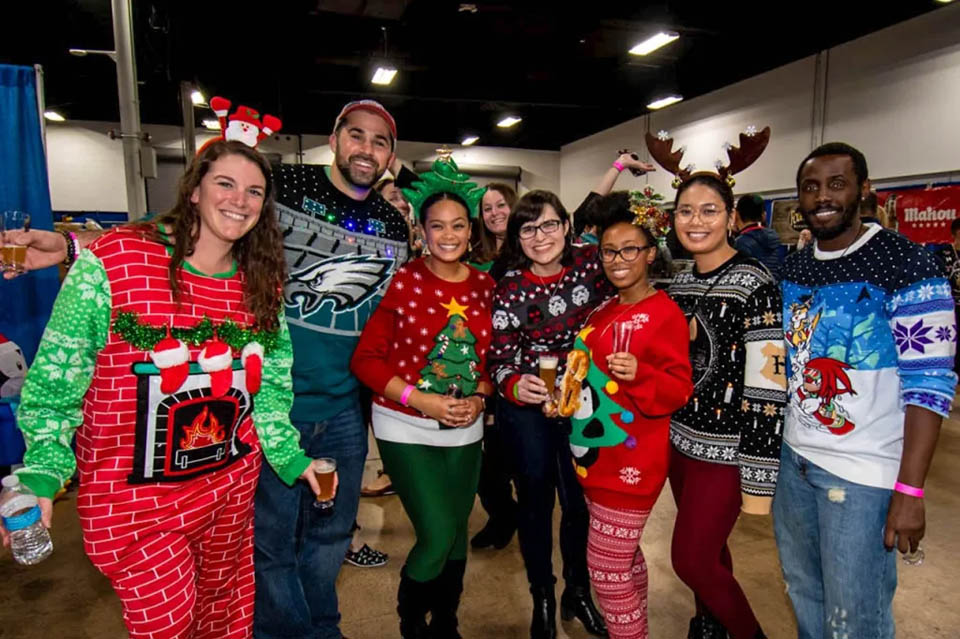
(529, 231)
(627, 253)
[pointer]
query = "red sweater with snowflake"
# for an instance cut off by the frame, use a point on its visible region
(429, 332)
(621, 433)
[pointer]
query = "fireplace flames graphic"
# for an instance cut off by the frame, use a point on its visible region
(204, 430)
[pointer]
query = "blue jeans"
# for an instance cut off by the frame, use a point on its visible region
(298, 551)
(839, 575)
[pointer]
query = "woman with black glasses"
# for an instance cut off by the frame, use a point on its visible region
(539, 307)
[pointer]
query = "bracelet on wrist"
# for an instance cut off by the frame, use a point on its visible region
(618, 166)
(73, 248)
(907, 489)
(405, 395)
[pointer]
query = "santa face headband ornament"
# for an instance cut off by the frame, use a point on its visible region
(752, 145)
(445, 177)
(245, 125)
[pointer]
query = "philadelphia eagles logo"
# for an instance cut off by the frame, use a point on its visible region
(346, 281)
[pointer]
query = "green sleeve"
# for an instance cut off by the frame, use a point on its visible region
(51, 401)
(271, 411)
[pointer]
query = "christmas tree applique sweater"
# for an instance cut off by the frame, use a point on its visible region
(94, 370)
(620, 435)
(433, 334)
(735, 416)
(534, 316)
(870, 330)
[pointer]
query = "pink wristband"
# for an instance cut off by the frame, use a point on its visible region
(405, 396)
(908, 490)
(618, 166)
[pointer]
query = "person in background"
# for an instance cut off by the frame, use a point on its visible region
(871, 337)
(495, 489)
(755, 239)
(423, 353)
(869, 210)
(389, 189)
(629, 370)
(726, 439)
(584, 218)
(951, 264)
(539, 307)
(201, 284)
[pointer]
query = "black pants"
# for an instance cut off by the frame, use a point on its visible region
(494, 490)
(539, 453)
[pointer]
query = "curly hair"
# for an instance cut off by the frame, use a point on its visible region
(259, 253)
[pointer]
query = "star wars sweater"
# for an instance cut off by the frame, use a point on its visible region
(869, 330)
(620, 435)
(433, 334)
(735, 416)
(534, 316)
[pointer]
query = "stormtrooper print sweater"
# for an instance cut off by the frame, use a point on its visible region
(534, 316)
(620, 435)
(736, 414)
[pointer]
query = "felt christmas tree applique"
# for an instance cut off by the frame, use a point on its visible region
(452, 364)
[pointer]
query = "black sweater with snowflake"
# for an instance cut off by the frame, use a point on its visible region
(534, 316)
(735, 416)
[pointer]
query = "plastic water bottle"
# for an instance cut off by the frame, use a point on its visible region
(29, 539)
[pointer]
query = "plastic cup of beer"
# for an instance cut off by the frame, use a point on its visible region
(325, 468)
(12, 256)
(548, 371)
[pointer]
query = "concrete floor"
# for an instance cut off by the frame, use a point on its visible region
(66, 598)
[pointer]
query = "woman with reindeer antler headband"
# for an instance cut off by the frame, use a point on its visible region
(726, 439)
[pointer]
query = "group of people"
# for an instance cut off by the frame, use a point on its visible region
(245, 320)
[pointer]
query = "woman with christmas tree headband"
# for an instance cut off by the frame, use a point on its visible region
(629, 370)
(423, 353)
(539, 307)
(159, 340)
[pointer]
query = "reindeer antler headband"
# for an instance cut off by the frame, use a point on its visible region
(752, 145)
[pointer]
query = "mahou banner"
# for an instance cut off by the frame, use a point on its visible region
(925, 215)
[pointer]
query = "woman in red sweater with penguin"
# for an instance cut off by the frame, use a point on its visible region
(629, 370)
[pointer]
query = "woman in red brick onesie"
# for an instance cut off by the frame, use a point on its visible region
(168, 353)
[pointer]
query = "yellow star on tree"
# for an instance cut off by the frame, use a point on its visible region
(455, 308)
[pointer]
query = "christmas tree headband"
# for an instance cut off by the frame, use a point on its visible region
(752, 145)
(445, 177)
(645, 206)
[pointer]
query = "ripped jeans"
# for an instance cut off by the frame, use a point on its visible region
(840, 577)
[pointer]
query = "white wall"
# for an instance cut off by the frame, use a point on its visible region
(894, 94)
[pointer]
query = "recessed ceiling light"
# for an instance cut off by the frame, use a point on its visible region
(664, 102)
(654, 42)
(470, 139)
(383, 76)
(53, 116)
(197, 98)
(508, 122)
(944, 1)
(213, 125)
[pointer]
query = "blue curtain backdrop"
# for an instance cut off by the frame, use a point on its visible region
(25, 302)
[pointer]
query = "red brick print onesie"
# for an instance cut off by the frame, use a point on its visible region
(167, 476)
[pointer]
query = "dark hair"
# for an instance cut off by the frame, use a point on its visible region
(259, 253)
(750, 208)
(528, 209)
(613, 209)
(439, 197)
(869, 203)
(711, 181)
(954, 226)
(485, 246)
(382, 184)
(839, 148)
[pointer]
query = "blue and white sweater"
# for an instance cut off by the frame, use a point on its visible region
(869, 330)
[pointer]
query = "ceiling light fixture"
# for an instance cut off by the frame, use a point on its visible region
(508, 122)
(213, 125)
(654, 42)
(383, 76)
(664, 102)
(53, 116)
(470, 139)
(197, 98)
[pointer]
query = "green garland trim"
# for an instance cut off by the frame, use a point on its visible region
(144, 336)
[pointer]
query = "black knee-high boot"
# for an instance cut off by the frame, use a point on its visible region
(577, 602)
(544, 623)
(413, 602)
(446, 599)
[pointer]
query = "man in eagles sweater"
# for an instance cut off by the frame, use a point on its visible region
(871, 337)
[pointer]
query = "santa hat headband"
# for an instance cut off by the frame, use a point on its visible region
(371, 106)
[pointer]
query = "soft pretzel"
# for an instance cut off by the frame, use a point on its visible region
(578, 363)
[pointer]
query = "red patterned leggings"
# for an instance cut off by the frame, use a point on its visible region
(617, 569)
